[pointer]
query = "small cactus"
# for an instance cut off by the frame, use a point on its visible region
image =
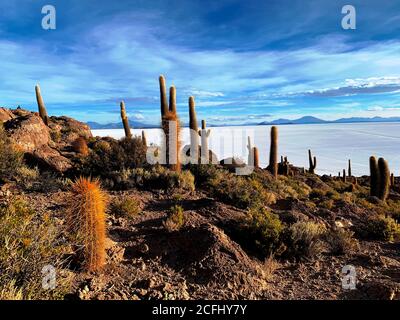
(273, 153)
(41, 106)
(392, 180)
(204, 134)
(86, 220)
(125, 121)
(312, 162)
(344, 179)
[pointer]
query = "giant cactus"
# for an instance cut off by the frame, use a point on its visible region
(204, 134)
(170, 125)
(349, 169)
(256, 157)
(312, 162)
(384, 183)
(144, 138)
(41, 106)
(125, 121)
(250, 158)
(374, 176)
(273, 153)
(194, 136)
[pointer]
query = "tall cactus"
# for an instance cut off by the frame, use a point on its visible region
(349, 169)
(312, 162)
(392, 180)
(273, 153)
(204, 134)
(194, 136)
(250, 158)
(144, 138)
(374, 177)
(344, 179)
(384, 183)
(41, 106)
(125, 121)
(86, 221)
(256, 157)
(170, 125)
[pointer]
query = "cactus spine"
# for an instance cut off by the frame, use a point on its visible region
(273, 153)
(86, 220)
(41, 106)
(349, 169)
(312, 162)
(125, 121)
(256, 157)
(170, 125)
(204, 133)
(194, 136)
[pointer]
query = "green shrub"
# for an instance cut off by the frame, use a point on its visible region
(381, 228)
(125, 207)
(175, 219)
(263, 229)
(108, 156)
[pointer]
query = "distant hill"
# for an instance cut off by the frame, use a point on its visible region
(281, 121)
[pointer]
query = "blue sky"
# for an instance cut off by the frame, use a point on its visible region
(244, 61)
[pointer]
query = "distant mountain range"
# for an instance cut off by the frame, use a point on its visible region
(302, 120)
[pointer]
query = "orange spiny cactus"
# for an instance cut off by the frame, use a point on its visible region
(86, 220)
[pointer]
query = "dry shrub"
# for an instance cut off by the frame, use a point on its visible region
(125, 207)
(268, 267)
(10, 158)
(341, 241)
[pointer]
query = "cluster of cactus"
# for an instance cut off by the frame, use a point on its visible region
(273, 152)
(379, 178)
(86, 221)
(170, 125)
(312, 162)
(41, 106)
(125, 121)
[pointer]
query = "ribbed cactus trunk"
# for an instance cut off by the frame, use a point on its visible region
(344, 179)
(312, 162)
(384, 183)
(86, 220)
(194, 132)
(41, 106)
(273, 152)
(374, 177)
(204, 134)
(125, 121)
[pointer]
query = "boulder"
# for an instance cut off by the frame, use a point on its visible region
(49, 158)
(27, 132)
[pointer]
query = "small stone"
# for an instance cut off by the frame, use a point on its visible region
(143, 266)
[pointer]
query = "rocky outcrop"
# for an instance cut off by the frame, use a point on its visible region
(46, 146)
(5, 115)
